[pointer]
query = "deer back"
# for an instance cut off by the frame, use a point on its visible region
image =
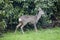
(27, 18)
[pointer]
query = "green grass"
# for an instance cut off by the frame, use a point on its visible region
(42, 34)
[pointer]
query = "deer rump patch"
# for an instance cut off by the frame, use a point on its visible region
(20, 19)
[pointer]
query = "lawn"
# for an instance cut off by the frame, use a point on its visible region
(42, 34)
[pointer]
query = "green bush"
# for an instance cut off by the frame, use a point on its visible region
(13, 9)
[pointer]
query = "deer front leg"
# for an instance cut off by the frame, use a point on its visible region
(17, 27)
(35, 27)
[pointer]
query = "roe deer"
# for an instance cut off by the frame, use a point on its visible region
(23, 20)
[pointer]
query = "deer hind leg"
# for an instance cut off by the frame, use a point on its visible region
(17, 27)
(35, 27)
(22, 27)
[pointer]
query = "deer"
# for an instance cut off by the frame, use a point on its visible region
(33, 19)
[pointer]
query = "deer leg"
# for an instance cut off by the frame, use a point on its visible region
(22, 28)
(17, 27)
(35, 27)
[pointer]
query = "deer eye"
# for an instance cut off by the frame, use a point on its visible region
(38, 11)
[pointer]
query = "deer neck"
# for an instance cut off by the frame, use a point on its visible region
(39, 15)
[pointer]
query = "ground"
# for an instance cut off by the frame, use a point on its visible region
(42, 34)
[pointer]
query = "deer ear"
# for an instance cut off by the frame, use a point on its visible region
(39, 8)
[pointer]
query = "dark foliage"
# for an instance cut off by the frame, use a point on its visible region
(11, 10)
